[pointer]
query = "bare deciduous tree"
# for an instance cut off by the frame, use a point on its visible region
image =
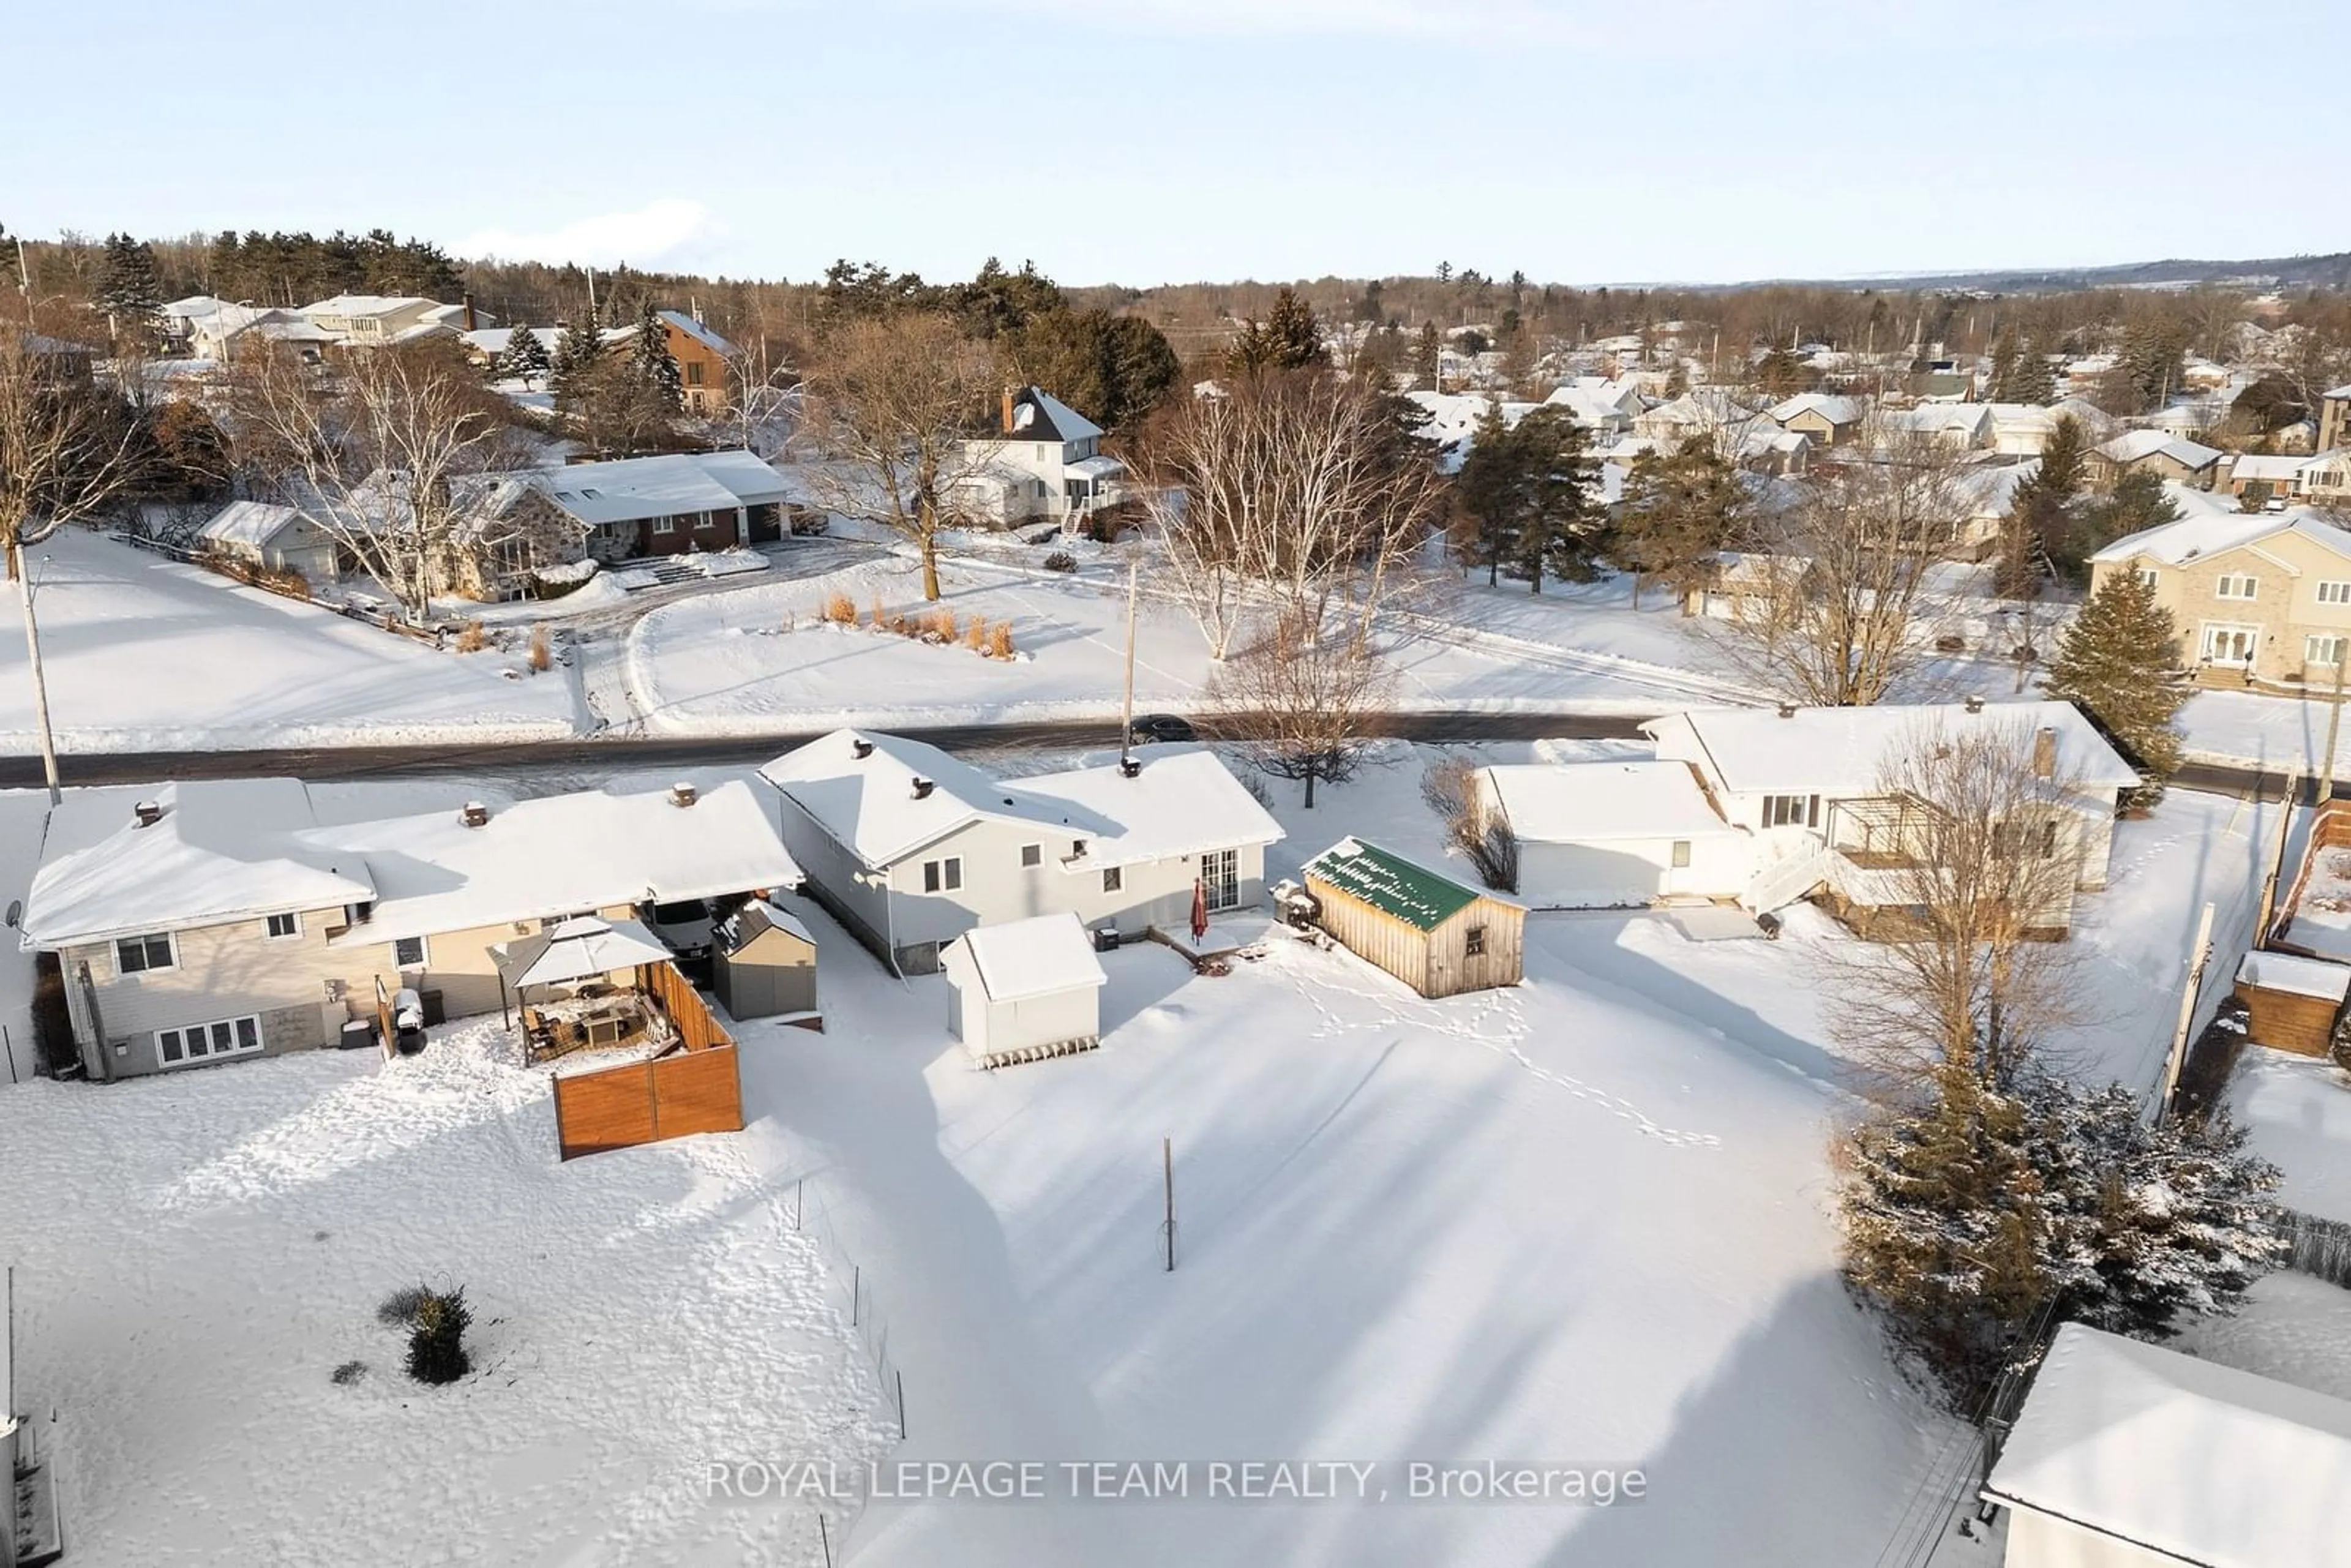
(1974, 837)
(1449, 788)
(1299, 492)
(375, 446)
(1301, 698)
(895, 416)
(1831, 613)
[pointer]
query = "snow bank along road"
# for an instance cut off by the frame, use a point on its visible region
(700, 751)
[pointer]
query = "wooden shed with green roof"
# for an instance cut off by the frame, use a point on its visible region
(1435, 935)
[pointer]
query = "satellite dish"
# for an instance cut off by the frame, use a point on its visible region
(16, 911)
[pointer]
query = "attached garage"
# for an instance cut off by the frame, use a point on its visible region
(1615, 835)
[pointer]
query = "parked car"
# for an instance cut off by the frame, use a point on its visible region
(1151, 728)
(686, 926)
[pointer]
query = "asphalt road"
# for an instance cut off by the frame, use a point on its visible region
(616, 753)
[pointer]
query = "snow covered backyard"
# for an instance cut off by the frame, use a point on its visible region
(143, 653)
(196, 1254)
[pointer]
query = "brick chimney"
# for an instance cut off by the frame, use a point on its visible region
(2044, 753)
(468, 299)
(1007, 410)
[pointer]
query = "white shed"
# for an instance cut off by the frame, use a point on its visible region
(1024, 990)
(1607, 835)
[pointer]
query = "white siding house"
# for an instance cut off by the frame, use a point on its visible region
(273, 537)
(1601, 835)
(910, 848)
(1024, 990)
(1045, 461)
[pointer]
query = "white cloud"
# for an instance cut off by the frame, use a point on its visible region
(661, 231)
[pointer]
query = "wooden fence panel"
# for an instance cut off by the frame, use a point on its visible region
(611, 1109)
(697, 1092)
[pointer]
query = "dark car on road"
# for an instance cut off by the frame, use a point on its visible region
(1152, 728)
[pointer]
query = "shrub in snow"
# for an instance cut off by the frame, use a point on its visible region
(351, 1372)
(840, 609)
(399, 1309)
(1060, 560)
(1980, 1218)
(999, 639)
(470, 637)
(542, 656)
(437, 1342)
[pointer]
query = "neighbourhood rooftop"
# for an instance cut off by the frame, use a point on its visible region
(1594, 800)
(1842, 750)
(2198, 1463)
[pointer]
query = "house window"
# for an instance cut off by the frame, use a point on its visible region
(2147, 575)
(1032, 854)
(2335, 593)
(2235, 585)
(2327, 651)
(1220, 874)
(946, 875)
(408, 952)
(1113, 879)
(1077, 848)
(281, 926)
(204, 1041)
(664, 525)
(1791, 810)
(1473, 942)
(1681, 854)
(2010, 840)
(693, 372)
(136, 954)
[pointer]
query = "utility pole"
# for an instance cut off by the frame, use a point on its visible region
(1167, 1170)
(1126, 708)
(2176, 1058)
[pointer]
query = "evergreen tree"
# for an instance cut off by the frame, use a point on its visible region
(2002, 383)
(2042, 528)
(2034, 379)
(525, 357)
(1288, 338)
(1427, 353)
(579, 349)
(1531, 489)
(1680, 511)
(2137, 503)
(650, 364)
(127, 289)
(2119, 663)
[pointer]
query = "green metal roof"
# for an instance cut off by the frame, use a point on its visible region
(1392, 885)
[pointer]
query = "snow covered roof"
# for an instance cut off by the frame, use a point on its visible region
(1838, 752)
(1587, 406)
(221, 850)
(1096, 467)
(2342, 392)
(2211, 531)
(1038, 415)
(559, 854)
(254, 523)
(698, 332)
(1585, 802)
(2297, 976)
(2199, 1463)
(1937, 418)
(1828, 406)
(867, 801)
(2137, 445)
(626, 490)
(1177, 803)
(1392, 885)
(753, 920)
(1040, 957)
(365, 304)
(2275, 466)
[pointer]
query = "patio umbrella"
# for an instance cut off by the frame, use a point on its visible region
(582, 947)
(1199, 909)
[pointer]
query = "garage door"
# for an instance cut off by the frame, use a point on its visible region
(1588, 876)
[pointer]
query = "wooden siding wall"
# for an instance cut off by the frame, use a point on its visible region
(2286, 1021)
(1434, 963)
(697, 1089)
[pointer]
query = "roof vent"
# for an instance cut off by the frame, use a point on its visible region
(1787, 710)
(1130, 766)
(922, 788)
(682, 793)
(473, 814)
(1975, 704)
(861, 749)
(148, 812)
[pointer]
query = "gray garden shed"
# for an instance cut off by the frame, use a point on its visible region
(763, 964)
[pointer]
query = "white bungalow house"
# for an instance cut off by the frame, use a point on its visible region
(2127, 1455)
(1603, 835)
(221, 920)
(672, 502)
(1045, 461)
(910, 848)
(1810, 783)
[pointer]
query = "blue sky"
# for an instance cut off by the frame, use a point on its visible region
(1150, 141)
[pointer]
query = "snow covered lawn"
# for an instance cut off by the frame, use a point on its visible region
(195, 1255)
(143, 653)
(1584, 1220)
(2298, 1111)
(2270, 732)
